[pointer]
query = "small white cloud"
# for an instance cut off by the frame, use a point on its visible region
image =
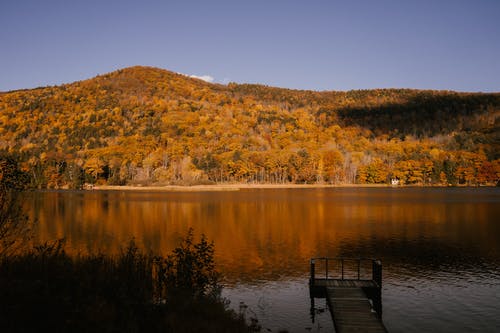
(206, 78)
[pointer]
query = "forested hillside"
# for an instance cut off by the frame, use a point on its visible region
(143, 125)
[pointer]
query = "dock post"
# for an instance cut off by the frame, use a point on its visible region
(313, 270)
(377, 277)
(312, 311)
(377, 272)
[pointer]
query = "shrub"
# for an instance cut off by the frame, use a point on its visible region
(188, 272)
(45, 289)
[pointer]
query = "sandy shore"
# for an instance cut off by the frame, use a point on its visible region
(226, 187)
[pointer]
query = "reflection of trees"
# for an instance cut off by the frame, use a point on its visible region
(271, 232)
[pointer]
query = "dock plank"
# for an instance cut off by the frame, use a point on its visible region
(352, 311)
(345, 283)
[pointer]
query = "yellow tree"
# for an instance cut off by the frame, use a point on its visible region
(409, 172)
(93, 167)
(333, 163)
(377, 172)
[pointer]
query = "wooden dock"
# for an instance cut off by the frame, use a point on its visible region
(352, 288)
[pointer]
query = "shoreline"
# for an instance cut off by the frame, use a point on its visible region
(237, 187)
(206, 188)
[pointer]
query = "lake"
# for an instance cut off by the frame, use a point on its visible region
(440, 247)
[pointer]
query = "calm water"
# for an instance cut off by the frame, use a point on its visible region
(440, 247)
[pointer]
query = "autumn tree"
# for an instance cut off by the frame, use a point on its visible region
(14, 225)
(333, 163)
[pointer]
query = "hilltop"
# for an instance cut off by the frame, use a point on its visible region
(144, 125)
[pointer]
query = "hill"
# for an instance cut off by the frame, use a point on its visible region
(143, 125)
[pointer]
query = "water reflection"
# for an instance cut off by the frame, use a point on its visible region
(435, 243)
(267, 233)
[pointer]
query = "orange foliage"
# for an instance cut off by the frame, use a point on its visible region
(147, 125)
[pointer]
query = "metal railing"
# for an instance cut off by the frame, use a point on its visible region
(347, 269)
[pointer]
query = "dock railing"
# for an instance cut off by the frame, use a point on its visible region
(343, 268)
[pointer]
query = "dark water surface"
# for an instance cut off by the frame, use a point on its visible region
(440, 247)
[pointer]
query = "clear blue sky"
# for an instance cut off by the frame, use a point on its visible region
(308, 44)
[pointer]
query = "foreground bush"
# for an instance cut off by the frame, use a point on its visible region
(47, 290)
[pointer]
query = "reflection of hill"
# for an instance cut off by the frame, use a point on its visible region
(273, 233)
